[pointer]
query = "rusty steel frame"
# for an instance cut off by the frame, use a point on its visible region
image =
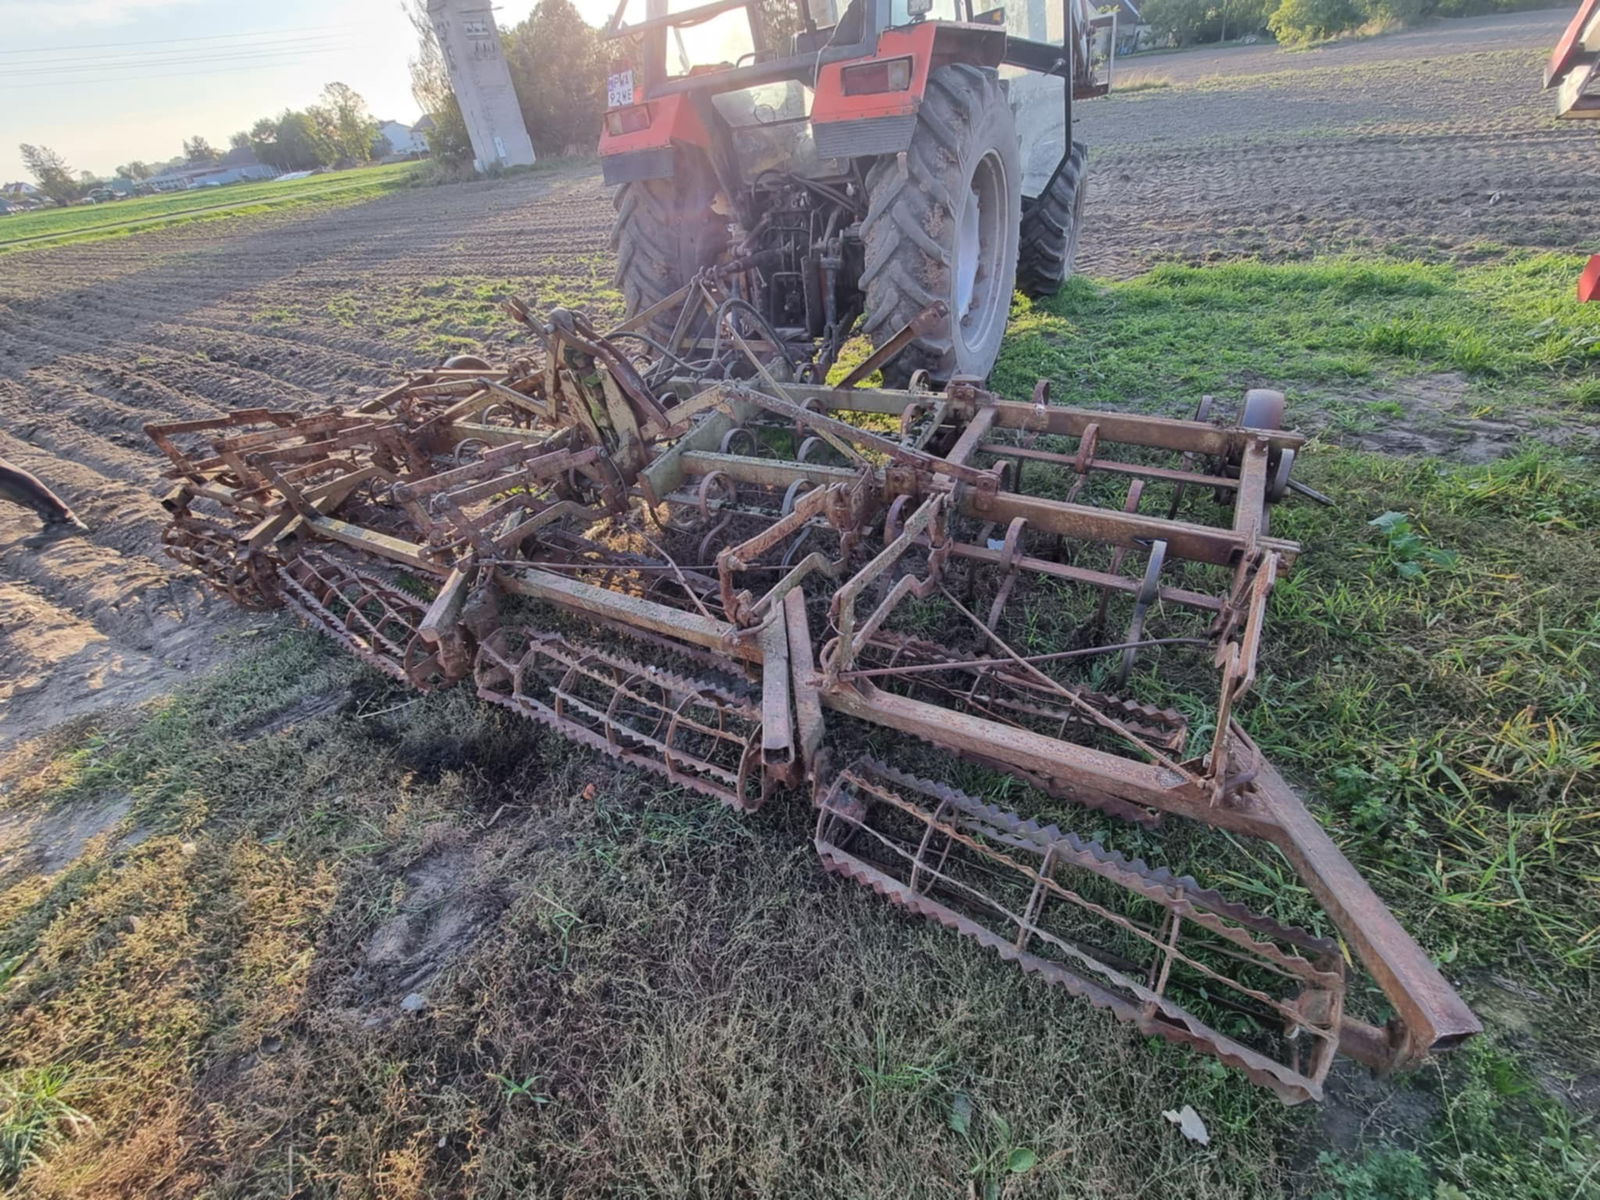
(772, 542)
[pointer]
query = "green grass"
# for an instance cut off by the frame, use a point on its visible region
(682, 985)
(36, 1116)
(647, 995)
(1449, 721)
(1510, 324)
(122, 218)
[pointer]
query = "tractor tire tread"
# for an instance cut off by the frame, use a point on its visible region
(664, 231)
(907, 203)
(1050, 226)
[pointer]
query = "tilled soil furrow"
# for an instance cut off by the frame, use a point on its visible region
(33, 426)
(122, 509)
(139, 395)
(308, 360)
(54, 664)
(95, 404)
(130, 599)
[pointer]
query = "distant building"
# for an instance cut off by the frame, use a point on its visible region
(194, 177)
(481, 81)
(18, 190)
(405, 141)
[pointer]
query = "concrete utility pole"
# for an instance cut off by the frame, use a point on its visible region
(481, 81)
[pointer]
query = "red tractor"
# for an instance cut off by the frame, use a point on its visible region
(890, 162)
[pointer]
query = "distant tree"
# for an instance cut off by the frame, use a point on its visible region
(1299, 21)
(1397, 12)
(430, 80)
(1241, 17)
(241, 151)
(306, 140)
(781, 19)
(561, 108)
(135, 171)
(346, 123)
(263, 137)
(52, 173)
(1180, 22)
(1187, 22)
(198, 152)
(294, 142)
(448, 140)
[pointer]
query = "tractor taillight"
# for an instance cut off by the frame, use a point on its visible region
(890, 75)
(627, 120)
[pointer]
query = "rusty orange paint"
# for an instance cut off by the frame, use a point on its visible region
(1570, 48)
(831, 104)
(672, 120)
(1589, 281)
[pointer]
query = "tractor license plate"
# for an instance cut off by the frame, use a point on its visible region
(619, 89)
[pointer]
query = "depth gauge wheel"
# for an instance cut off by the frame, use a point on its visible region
(946, 228)
(1264, 409)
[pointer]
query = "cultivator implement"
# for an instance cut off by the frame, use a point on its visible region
(1073, 601)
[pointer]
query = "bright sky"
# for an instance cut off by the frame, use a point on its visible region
(104, 82)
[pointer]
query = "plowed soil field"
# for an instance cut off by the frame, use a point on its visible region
(1433, 139)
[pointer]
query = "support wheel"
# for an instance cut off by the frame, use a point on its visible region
(1050, 224)
(946, 227)
(1264, 409)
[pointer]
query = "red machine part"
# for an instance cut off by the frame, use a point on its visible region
(1589, 281)
(669, 120)
(1574, 71)
(1574, 66)
(834, 101)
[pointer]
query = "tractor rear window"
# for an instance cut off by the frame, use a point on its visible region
(723, 39)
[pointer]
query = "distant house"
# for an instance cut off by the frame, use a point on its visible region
(18, 197)
(197, 177)
(405, 141)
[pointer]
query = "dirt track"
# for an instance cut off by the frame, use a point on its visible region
(1433, 139)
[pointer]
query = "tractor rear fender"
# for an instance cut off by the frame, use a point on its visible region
(881, 122)
(649, 151)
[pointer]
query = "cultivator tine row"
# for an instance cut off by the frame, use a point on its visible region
(697, 734)
(375, 621)
(1126, 938)
(216, 552)
(806, 563)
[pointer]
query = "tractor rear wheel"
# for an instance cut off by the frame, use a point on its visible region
(665, 231)
(1050, 223)
(945, 228)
